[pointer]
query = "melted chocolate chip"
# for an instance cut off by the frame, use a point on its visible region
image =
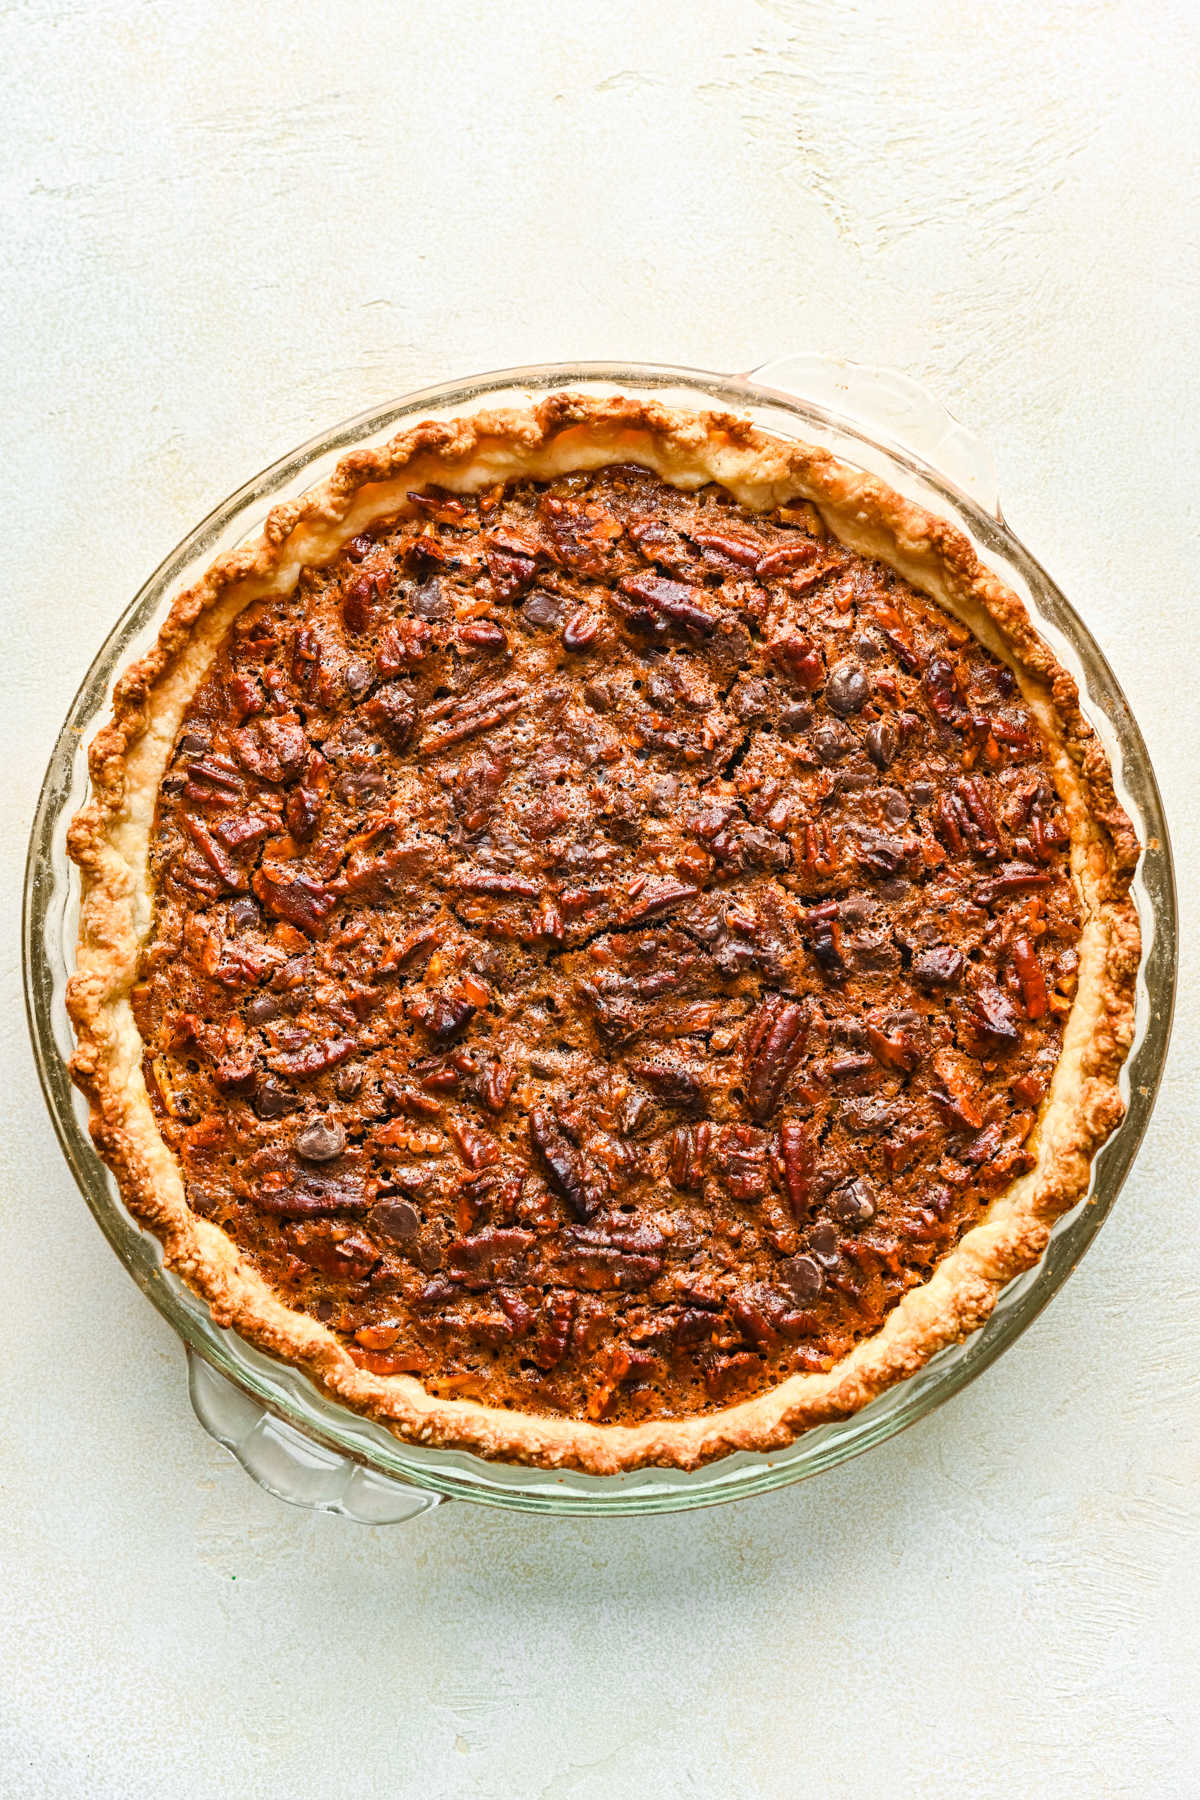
(795, 715)
(937, 968)
(832, 742)
(396, 1221)
(853, 1204)
(273, 1101)
(542, 608)
(882, 740)
(847, 690)
(822, 1243)
(429, 602)
(319, 1141)
(802, 1277)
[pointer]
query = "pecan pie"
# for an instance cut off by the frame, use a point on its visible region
(606, 936)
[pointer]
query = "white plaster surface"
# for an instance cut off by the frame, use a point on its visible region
(225, 226)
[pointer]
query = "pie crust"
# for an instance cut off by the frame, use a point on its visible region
(568, 432)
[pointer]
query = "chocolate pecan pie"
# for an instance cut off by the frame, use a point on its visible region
(606, 937)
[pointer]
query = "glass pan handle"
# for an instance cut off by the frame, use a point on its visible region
(291, 1466)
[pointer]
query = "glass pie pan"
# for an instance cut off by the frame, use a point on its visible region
(290, 1437)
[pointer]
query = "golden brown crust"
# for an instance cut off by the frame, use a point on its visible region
(109, 840)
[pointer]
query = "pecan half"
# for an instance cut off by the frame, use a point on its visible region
(565, 1166)
(774, 1044)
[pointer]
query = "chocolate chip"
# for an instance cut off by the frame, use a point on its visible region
(261, 1007)
(597, 695)
(822, 1241)
(832, 742)
(243, 913)
(359, 676)
(853, 1204)
(896, 809)
(396, 1221)
(429, 602)
(319, 1141)
(272, 1101)
(348, 1080)
(937, 968)
(796, 715)
(882, 741)
(847, 690)
(191, 744)
(802, 1277)
(541, 608)
(750, 700)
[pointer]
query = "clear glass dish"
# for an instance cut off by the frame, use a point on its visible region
(292, 1439)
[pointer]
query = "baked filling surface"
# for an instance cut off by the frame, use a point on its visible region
(606, 937)
(608, 944)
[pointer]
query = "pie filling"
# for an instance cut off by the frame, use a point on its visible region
(608, 945)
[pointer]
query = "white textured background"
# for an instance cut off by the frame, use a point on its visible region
(226, 225)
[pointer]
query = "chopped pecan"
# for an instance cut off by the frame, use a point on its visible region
(658, 897)
(599, 1260)
(994, 1016)
(483, 635)
(348, 1255)
(445, 1015)
(942, 691)
(488, 1252)
(582, 532)
(741, 552)
(300, 899)
(1031, 978)
(393, 711)
(478, 1150)
(799, 660)
(725, 1373)
(212, 853)
(512, 573)
(436, 503)
(314, 1058)
(786, 559)
(497, 1086)
(894, 1051)
(494, 881)
(1011, 878)
(359, 598)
